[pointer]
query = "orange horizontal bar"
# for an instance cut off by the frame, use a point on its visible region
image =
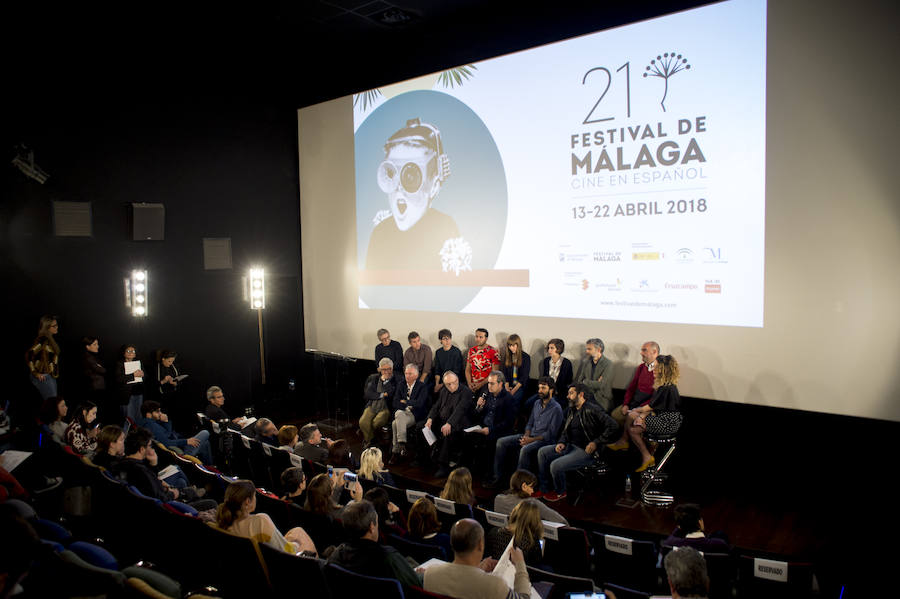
(436, 278)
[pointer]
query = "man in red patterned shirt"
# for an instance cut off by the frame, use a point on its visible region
(480, 361)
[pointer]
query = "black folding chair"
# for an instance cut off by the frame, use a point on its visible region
(286, 570)
(562, 585)
(625, 561)
(421, 552)
(571, 553)
(774, 578)
(344, 583)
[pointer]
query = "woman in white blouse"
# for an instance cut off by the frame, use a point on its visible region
(235, 515)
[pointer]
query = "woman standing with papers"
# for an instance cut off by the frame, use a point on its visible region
(129, 381)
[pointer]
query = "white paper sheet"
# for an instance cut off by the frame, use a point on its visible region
(130, 368)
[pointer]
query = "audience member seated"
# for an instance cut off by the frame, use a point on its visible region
(481, 360)
(419, 354)
(686, 572)
(449, 415)
(266, 432)
(157, 422)
(52, 415)
(447, 358)
(18, 552)
(522, 486)
(363, 554)
(542, 429)
(468, 576)
(410, 404)
(458, 487)
(389, 349)
(640, 389)
(526, 531)
(424, 526)
(391, 520)
(137, 470)
(378, 393)
(516, 369)
(110, 447)
(587, 427)
(129, 390)
(660, 415)
(82, 432)
(293, 482)
(691, 532)
(324, 492)
(235, 515)
(371, 467)
(288, 437)
(214, 411)
(558, 368)
(596, 373)
(311, 444)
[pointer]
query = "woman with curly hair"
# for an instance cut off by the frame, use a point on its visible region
(371, 467)
(235, 515)
(660, 416)
(526, 531)
(43, 357)
(458, 487)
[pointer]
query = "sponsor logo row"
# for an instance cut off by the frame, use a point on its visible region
(706, 255)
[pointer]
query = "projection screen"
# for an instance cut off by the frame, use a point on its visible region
(694, 179)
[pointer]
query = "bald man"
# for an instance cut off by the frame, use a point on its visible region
(640, 389)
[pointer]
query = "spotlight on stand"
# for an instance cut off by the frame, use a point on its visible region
(140, 285)
(257, 294)
(257, 289)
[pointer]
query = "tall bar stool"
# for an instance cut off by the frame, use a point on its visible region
(653, 491)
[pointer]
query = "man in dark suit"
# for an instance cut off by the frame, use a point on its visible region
(411, 403)
(450, 414)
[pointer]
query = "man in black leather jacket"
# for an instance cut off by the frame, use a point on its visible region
(586, 429)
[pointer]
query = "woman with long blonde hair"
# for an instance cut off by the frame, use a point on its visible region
(371, 467)
(458, 487)
(235, 515)
(526, 531)
(43, 357)
(661, 415)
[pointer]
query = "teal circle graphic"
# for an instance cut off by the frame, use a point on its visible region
(474, 195)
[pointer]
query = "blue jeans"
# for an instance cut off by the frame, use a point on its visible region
(47, 387)
(202, 451)
(133, 410)
(510, 443)
(555, 465)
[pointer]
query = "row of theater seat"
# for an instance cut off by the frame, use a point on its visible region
(604, 556)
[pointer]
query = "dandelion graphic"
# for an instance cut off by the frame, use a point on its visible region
(456, 255)
(664, 67)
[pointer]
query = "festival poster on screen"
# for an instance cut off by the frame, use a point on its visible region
(618, 175)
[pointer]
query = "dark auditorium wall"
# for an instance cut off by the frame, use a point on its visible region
(222, 168)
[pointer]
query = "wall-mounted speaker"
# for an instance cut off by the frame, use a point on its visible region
(148, 222)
